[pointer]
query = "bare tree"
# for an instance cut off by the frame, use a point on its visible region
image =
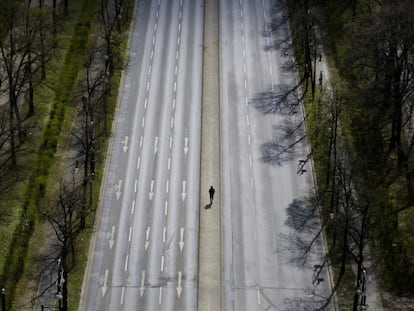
(65, 220)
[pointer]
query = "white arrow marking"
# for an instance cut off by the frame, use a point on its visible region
(110, 236)
(156, 145)
(183, 194)
(151, 193)
(142, 287)
(147, 242)
(179, 287)
(118, 189)
(181, 243)
(185, 145)
(105, 283)
(125, 144)
(147, 232)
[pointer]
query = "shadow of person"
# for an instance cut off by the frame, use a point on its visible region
(208, 205)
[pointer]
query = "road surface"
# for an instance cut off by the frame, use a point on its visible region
(146, 241)
(263, 245)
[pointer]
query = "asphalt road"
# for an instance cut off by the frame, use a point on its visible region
(146, 242)
(145, 250)
(264, 235)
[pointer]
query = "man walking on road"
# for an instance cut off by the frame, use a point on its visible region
(211, 191)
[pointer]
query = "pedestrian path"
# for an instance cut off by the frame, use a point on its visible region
(209, 285)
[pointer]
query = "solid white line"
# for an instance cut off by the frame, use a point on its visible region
(130, 234)
(122, 295)
(133, 207)
(135, 185)
(126, 262)
(162, 263)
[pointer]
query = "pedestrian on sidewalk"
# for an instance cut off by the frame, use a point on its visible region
(211, 191)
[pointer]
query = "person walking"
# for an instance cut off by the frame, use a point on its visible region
(211, 191)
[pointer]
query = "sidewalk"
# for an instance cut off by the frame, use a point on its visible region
(209, 269)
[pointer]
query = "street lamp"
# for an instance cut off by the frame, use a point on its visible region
(59, 284)
(362, 290)
(3, 299)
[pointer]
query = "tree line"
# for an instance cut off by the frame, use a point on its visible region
(29, 44)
